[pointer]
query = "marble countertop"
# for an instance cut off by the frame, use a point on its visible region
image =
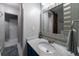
(34, 44)
(60, 50)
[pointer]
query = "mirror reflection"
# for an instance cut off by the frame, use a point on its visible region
(53, 20)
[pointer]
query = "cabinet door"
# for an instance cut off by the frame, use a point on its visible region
(30, 51)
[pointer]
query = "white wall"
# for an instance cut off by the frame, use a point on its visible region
(13, 9)
(13, 29)
(31, 20)
(1, 26)
(9, 9)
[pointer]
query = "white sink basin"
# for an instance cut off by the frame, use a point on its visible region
(46, 48)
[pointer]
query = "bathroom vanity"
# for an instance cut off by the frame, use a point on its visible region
(41, 47)
(31, 51)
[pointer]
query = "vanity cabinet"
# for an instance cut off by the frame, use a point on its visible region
(31, 51)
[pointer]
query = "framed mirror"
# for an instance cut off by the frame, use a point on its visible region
(52, 23)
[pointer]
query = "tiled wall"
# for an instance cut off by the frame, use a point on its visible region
(9, 9)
